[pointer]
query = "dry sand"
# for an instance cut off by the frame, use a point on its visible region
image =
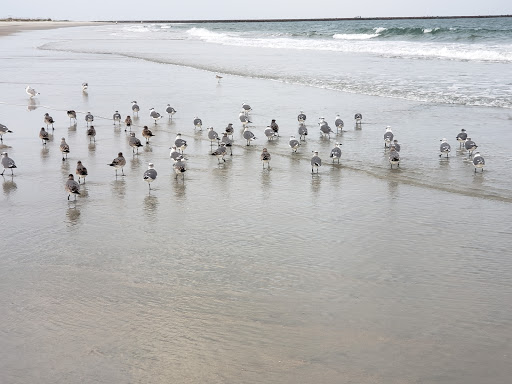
(10, 27)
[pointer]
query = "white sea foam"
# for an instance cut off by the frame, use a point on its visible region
(379, 30)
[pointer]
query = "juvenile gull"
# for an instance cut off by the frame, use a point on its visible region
(462, 137)
(274, 127)
(444, 148)
(150, 175)
(336, 152)
(248, 135)
(316, 161)
(220, 152)
(85, 86)
(396, 145)
(478, 161)
(388, 137)
(135, 108)
(269, 133)
(128, 123)
(48, 120)
(43, 135)
(303, 132)
(146, 133)
(213, 136)
(118, 163)
(180, 167)
(294, 144)
(134, 143)
(170, 111)
(91, 133)
(64, 148)
(338, 123)
(81, 171)
(198, 123)
(72, 115)
(470, 146)
(117, 118)
(89, 118)
(394, 157)
(7, 163)
(265, 158)
(301, 117)
(230, 130)
(180, 143)
(72, 187)
(31, 91)
(3, 130)
(154, 115)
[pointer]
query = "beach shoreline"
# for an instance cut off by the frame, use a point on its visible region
(11, 27)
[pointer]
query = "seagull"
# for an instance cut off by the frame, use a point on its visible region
(64, 148)
(89, 118)
(118, 162)
(246, 108)
(135, 108)
(31, 91)
(248, 135)
(470, 146)
(170, 111)
(358, 117)
(81, 171)
(84, 87)
(294, 144)
(198, 123)
(91, 132)
(394, 157)
(180, 143)
(117, 118)
(462, 137)
(220, 152)
(146, 133)
(154, 114)
(336, 152)
(265, 158)
(301, 117)
(270, 133)
(44, 136)
(396, 145)
(212, 136)
(478, 161)
(444, 148)
(3, 130)
(274, 127)
(325, 129)
(128, 122)
(71, 115)
(388, 137)
(230, 130)
(316, 161)
(7, 162)
(180, 166)
(174, 154)
(303, 132)
(244, 119)
(134, 142)
(338, 123)
(150, 174)
(72, 187)
(227, 142)
(218, 77)
(48, 120)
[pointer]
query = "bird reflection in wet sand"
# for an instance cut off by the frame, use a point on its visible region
(150, 205)
(73, 215)
(32, 104)
(8, 184)
(119, 187)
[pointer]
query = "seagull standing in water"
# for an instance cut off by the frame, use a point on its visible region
(150, 175)
(154, 115)
(72, 187)
(274, 127)
(444, 148)
(3, 130)
(294, 144)
(135, 108)
(170, 111)
(270, 133)
(198, 123)
(64, 148)
(7, 163)
(43, 135)
(174, 154)
(220, 152)
(180, 143)
(48, 120)
(336, 152)
(338, 123)
(117, 118)
(325, 129)
(84, 87)
(303, 132)
(180, 167)
(396, 145)
(301, 118)
(118, 163)
(230, 130)
(244, 119)
(462, 137)
(128, 122)
(31, 91)
(265, 158)
(227, 142)
(134, 143)
(213, 136)
(246, 109)
(81, 171)
(388, 137)
(316, 161)
(470, 146)
(72, 115)
(147, 134)
(394, 157)
(248, 135)
(358, 117)
(91, 133)
(89, 118)
(478, 161)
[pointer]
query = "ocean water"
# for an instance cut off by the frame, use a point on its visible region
(238, 274)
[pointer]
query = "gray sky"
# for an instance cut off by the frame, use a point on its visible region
(237, 9)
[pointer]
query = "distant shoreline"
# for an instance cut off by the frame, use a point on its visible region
(302, 20)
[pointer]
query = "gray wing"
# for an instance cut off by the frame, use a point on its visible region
(478, 160)
(150, 174)
(316, 161)
(248, 135)
(336, 152)
(445, 147)
(294, 143)
(388, 136)
(339, 123)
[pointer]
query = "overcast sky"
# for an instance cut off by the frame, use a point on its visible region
(240, 9)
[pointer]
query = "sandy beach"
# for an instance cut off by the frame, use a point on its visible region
(10, 27)
(239, 274)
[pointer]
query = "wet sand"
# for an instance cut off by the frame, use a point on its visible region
(10, 27)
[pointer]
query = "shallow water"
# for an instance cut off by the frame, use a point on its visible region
(238, 274)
